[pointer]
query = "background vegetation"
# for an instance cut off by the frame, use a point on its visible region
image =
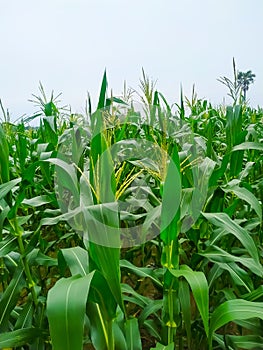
(195, 285)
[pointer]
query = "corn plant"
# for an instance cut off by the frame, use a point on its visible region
(132, 228)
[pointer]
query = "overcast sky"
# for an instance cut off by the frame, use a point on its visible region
(67, 44)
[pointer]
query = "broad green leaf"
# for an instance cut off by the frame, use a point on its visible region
(171, 200)
(232, 310)
(119, 338)
(20, 337)
(132, 334)
(77, 260)
(101, 224)
(66, 176)
(99, 333)
(170, 214)
(66, 307)
(199, 286)
(101, 294)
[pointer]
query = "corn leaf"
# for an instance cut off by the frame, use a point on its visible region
(232, 310)
(160, 346)
(10, 297)
(66, 306)
(77, 260)
(20, 337)
(199, 286)
(8, 186)
(223, 221)
(132, 334)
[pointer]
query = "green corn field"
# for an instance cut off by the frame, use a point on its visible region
(136, 225)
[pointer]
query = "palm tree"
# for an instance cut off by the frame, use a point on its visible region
(244, 79)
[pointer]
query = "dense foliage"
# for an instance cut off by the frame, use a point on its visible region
(132, 227)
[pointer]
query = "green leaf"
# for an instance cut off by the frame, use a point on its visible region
(132, 334)
(135, 297)
(218, 255)
(103, 91)
(20, 337)
(152, 307)
(160, 346)
(199, 286)
(232, 310)
(77, 260)
(7, 245)
(119, 338)
(4, 157)
(37, 201)
(66, 176)
(141, 271)
(239, 275)
(246, 195)
(254, 342)
(66, 306)
(25, 316)
(248, 145)
(10, 297)
(171, 200)
(223, 221)
(184, 296)
(8, 186)
(101, 294)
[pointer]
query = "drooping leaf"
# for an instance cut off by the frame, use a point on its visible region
(223, 221)
(246, 195)
(199, 286)
(232, 310)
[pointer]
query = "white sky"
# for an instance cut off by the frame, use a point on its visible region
(66, 44)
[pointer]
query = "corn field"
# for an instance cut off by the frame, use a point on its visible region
(132, 226)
